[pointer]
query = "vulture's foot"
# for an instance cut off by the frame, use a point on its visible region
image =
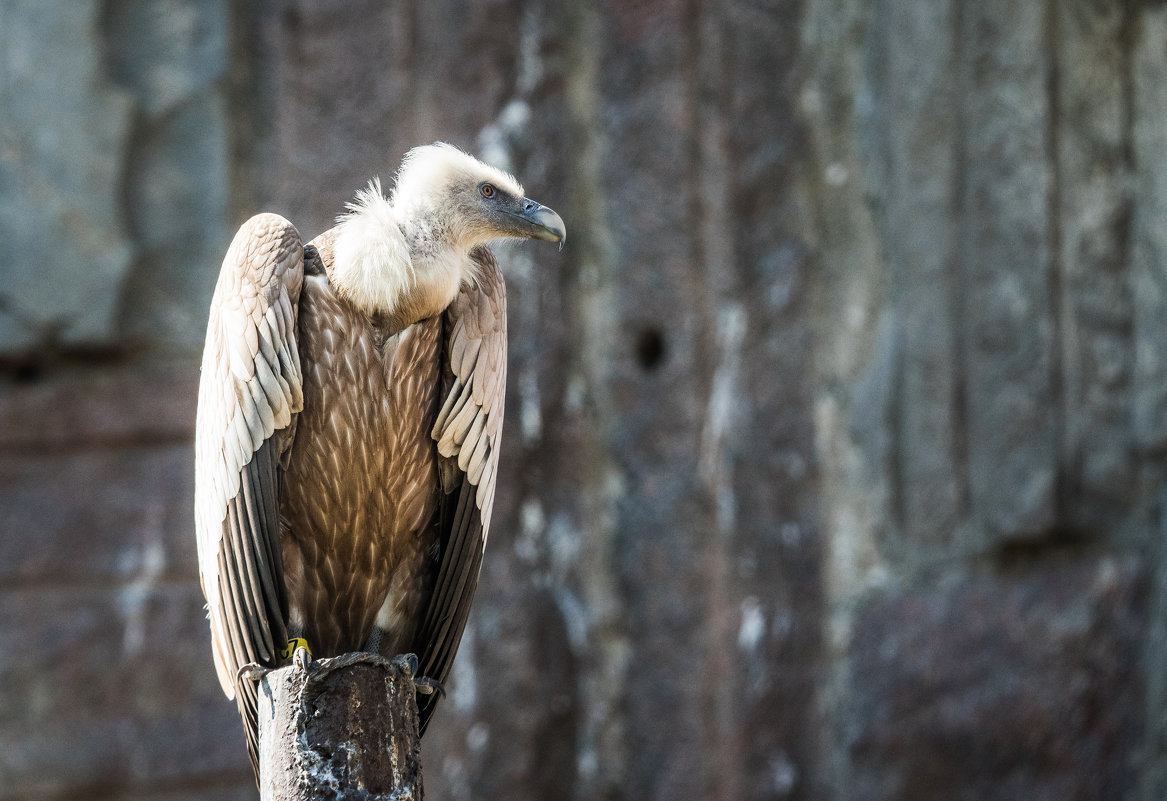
(407, 663)
(252, 671)
(302, 658)
(428, 686)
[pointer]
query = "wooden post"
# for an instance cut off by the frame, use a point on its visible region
(342, 728)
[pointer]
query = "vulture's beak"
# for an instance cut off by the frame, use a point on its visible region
(540, 222)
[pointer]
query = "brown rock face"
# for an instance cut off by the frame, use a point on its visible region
(1014, 686)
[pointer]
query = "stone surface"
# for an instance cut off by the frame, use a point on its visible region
(129, 489)
(114, 195)
(1022, 685)
(135, 519)
(118, 405)
(1095, 206)
(1006, 322)
(178, 191)
(116, 677)
(1148, 285)
(914, 121)
(99, 596)
(165, 51)
(172, 57)
(64, 264)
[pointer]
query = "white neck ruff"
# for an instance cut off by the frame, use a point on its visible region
(373, 267)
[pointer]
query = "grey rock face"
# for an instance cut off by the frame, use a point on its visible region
(63, 133)
(113, 176)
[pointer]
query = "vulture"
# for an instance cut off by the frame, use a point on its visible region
(349, 414)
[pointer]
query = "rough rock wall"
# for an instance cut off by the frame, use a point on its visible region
(833, 457)
(988, 395)
(115, 171)
(115, 179)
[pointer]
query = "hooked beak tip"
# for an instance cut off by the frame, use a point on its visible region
(545, 223)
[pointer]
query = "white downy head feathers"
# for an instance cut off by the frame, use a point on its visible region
(411, 250)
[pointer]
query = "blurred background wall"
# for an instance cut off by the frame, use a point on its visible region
(836, 441)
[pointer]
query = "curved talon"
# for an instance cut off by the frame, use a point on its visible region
(407, 663)
(427, 686)
(252, 671)
(302, 658)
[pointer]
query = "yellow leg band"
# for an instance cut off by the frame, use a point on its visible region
(293, 644)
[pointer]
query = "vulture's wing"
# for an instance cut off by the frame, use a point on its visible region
(467, 431)
(249, 396)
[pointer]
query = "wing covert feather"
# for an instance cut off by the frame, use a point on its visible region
(471, 416)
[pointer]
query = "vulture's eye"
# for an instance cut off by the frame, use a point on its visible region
(487, 190)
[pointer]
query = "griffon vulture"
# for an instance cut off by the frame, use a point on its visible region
(349, 415)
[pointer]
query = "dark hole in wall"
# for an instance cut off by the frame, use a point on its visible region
(1024, 552)
(293, 18)
(651, 349)
(26, 372)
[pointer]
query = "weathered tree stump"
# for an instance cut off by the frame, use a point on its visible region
(343, 728)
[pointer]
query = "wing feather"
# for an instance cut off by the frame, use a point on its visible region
(476, 464)
(455, 396)
(455, 433)
(464, 362)
(466, 430)
(249, 394)
(470, 442)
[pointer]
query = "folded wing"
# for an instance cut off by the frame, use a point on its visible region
(249, 395)
(467, 432)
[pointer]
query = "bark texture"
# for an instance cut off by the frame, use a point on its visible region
(835, 464)
(341, 729)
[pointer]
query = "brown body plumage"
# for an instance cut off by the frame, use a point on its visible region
(349, 416)
(360, 498)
